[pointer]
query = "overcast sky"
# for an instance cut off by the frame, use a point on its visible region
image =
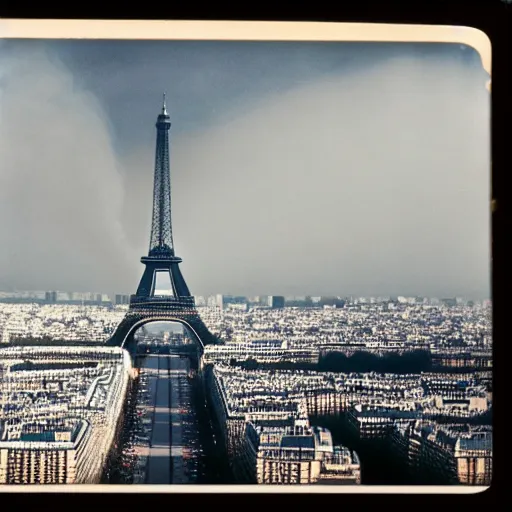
(296, 168)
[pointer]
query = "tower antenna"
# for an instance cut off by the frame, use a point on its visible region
(164, 107)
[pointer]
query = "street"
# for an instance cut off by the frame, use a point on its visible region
(172, 452)
(159, 465)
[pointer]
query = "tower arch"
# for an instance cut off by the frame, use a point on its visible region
(134, 324)
(149, 303)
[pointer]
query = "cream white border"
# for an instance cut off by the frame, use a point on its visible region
(246, 31)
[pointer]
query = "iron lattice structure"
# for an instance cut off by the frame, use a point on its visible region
(161, 229)
(175, 304)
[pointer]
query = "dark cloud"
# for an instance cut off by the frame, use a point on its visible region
(296, 169)
(62, 189)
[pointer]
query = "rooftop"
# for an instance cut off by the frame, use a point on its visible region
(475, 443)
(299, 442)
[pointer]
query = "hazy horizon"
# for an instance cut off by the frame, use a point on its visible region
(111, 295)
(320, 169)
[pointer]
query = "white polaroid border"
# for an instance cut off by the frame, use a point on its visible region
(247, 31)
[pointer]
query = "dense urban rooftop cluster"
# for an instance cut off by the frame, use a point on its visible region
(59, 398)
(65, 398)
(268, 412)
(392, 324)
(42, 384)
(267, 430)
(58, 321)
(429, 394)
(463, 437)
(374, 324)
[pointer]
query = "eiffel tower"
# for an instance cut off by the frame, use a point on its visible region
(155, 301)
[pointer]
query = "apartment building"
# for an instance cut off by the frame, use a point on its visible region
(446, 454)
(60, 409)
(291, 452)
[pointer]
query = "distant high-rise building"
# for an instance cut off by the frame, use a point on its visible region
(50, 297)
(276, 301)
(234, 299)
(406, 300)
(200, 300)
(211, 301)
(221, 301)
(337, 302)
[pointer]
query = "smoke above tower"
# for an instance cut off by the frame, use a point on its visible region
(60, 183)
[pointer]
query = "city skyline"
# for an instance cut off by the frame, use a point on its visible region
(383, 225)
(67, 295)
(402, 396)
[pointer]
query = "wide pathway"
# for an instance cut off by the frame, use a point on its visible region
(167, 378)
(178, 375)
(159, 463)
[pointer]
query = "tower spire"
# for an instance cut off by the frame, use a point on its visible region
(161, 231)
(164, 107)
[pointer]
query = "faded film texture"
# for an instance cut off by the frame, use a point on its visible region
(234, 262)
